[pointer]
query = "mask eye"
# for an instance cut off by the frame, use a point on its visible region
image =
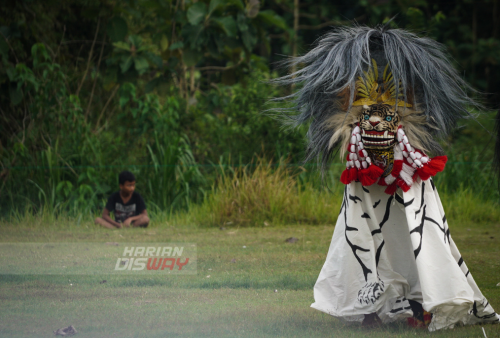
(388, 118)
(367, 117)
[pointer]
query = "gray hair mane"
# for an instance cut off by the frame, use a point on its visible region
(327, 75)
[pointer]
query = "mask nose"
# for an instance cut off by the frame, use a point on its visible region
(374, 123)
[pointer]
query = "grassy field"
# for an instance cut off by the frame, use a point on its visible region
(250, 283)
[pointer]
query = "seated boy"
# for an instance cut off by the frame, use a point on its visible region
(128, 205)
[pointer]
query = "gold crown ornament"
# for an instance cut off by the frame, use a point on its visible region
(370, 90)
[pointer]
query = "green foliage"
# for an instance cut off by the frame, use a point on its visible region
(88, 88)
(228, 122)
(117, 29)
(196, 13)
(76, 170)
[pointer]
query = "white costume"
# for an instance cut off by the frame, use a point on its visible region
(383, 97)
(388, 249)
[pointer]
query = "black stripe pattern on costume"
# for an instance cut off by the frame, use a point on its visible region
(474, 312)
(401, 305)
(354, 198)
(402, 201)
(379, 250)
(354, 248)
(420, 228)
(421, 200)
(399, 309)
(371, 292)
(387, 212)
(440, 228)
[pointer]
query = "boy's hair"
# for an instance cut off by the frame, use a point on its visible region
(126, 176)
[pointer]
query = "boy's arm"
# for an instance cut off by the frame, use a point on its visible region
(133, 218)
(144, 212)
(107, 218)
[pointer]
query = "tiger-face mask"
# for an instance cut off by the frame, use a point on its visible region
(379, 124)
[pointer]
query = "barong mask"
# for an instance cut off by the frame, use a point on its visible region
(381, 98)
(379, 125)
(379, 120)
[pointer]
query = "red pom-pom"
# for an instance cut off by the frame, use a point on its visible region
(353, 174)
(370, 175)
(423, 175)
(349, 175)
(431, 168)
(402, 184)
(397, 167)
(344, 178)
(391, 189)
(382, 182)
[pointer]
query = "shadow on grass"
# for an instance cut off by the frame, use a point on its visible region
(282, 282)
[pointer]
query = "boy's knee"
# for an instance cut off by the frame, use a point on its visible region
(144, 222)
(98, 220)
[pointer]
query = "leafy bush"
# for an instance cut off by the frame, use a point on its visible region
(228, 121)
(66, 165)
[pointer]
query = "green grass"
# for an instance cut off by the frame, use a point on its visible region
(242, 258)
(237, 300)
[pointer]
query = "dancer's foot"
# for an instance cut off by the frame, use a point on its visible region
(422, 322)
(421, 318)
(371, 321)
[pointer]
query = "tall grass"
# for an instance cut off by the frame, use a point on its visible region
(174, 181)
(466, 205)
(468, 170)
(78, 185)
(265, 194)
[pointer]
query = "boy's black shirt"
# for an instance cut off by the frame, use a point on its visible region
(133, 207)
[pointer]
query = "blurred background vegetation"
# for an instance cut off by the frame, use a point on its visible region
(173, 90)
